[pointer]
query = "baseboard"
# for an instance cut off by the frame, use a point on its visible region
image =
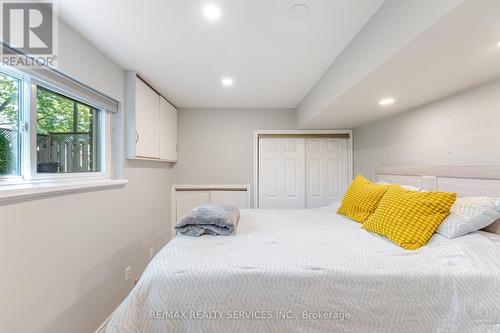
(102, 328)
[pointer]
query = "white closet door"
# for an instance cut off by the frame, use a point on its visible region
(326, 171)
(281, 173)
(168, 131)
(147, 118)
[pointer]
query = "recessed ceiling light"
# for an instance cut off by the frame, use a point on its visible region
(211, 12)
(227, 82)
(498, 43)
(387, 101)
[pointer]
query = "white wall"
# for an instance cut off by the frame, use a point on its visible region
(216, 146)
(462, 129)
(63, 258)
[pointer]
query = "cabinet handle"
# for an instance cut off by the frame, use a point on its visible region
(136, 137)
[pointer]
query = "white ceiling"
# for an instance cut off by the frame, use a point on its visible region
(273, 59)
(457, 53)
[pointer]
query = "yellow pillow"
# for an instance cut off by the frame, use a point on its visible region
(361, 199)
(409, 218)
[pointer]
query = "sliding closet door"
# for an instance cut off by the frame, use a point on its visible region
(281, 173)
(326, 171)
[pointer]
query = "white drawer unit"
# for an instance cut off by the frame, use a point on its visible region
(187, 197)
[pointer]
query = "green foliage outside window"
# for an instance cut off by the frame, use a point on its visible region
(9, 115)
(56, 114)
(5, 154)
(9, 107)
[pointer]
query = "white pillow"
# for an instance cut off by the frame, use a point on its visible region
(470, 214)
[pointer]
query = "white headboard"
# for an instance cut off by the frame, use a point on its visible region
(466, 181)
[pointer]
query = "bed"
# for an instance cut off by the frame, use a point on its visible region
(315, 271)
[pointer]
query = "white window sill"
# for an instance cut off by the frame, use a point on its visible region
(34, 190)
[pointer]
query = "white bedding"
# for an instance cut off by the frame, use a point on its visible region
(321, 263)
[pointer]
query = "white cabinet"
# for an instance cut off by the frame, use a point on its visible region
(186, 197)
(168, 131)
(151, 122)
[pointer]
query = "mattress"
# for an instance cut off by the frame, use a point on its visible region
(315, 271)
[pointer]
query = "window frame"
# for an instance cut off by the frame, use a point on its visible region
(28, 176)
(35, 176)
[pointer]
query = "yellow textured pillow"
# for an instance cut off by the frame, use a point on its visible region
(361, 199)
(409, 218)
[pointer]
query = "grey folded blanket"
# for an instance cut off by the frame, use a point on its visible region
(209, 220)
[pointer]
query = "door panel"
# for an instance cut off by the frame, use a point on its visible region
(314, 173)
(270, 177)
(281, 173)
(334, 178)
(327, 171)
(291, 179)
(146, 121)
(168, 131)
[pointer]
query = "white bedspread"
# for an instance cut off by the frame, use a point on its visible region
(285, 268)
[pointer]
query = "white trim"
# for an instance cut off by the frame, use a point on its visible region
(485, 171)
(173, 211)
(301, 132)
(30, 133)
(256, 134)
(73, 175)
(106, 152)
(138, 158)
(236, 187)
(32, 190)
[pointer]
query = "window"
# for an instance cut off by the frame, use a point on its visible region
(53, 137)
(68, 134)
(10, 135)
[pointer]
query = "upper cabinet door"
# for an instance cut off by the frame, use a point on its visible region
(168, 131)
(147, 118)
